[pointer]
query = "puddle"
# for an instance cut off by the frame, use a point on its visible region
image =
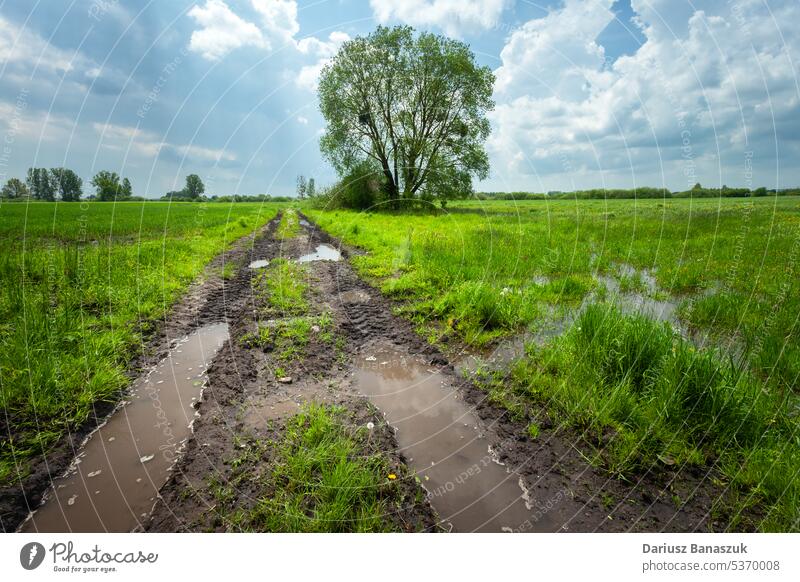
(442, 439)
(354, 296)
(323, 253)
(660, 310)
(113, 482)
(304, 222)
(259, 264)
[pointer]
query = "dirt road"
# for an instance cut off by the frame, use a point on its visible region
(458, 463)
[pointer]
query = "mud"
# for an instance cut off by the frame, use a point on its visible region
(206, 301)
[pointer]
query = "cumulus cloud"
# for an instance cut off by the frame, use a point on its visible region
(702, 94)
(222, 31)
(452, 16)
(279, 18)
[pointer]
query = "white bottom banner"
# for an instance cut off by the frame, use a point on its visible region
(392, 556)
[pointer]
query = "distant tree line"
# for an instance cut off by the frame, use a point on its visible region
(250, 198)
(63, 184)
(697, 191)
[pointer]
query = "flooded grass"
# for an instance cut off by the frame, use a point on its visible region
(644, 398)
(82, 286)
(487, 273)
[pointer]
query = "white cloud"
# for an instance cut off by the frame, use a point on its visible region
(696, 97)
(148, 144)
(452, 16)
(28, 49)
(308, 77)
(302, 120)
(222, 31)
(279, 18)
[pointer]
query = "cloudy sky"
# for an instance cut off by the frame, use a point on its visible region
(589, 93)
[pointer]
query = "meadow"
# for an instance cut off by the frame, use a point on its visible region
(83, 285)
(715, 387)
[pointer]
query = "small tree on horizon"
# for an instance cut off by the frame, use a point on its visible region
(301, 186)
(15, 189)
(109, 188)
(194, 186)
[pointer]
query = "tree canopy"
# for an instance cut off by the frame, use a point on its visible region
(67, 183)
(194, 186)
(413, 106)
(15, 189)
(108, 186)
(40, 184)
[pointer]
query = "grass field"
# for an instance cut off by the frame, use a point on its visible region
(82, 285)
(641, 393)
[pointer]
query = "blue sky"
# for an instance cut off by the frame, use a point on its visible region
(590, 93)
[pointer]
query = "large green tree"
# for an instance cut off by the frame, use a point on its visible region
(67, 183)
(414, 105)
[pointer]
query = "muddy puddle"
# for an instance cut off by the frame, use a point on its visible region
(259, 264)
(447, 448)
(113, 482)
(323, 252)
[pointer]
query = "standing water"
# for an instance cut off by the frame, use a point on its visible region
(113, 482)
(441, 437)
(322, 253)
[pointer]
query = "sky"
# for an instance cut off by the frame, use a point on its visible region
(589, 93)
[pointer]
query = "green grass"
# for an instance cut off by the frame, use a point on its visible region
(487, 269)
(286, 328)
(282, 289)
(288, 337)
(324, 478)
(644, 397)
(82, 286)
(289, 226)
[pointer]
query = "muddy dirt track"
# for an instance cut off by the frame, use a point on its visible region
(463, 464)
